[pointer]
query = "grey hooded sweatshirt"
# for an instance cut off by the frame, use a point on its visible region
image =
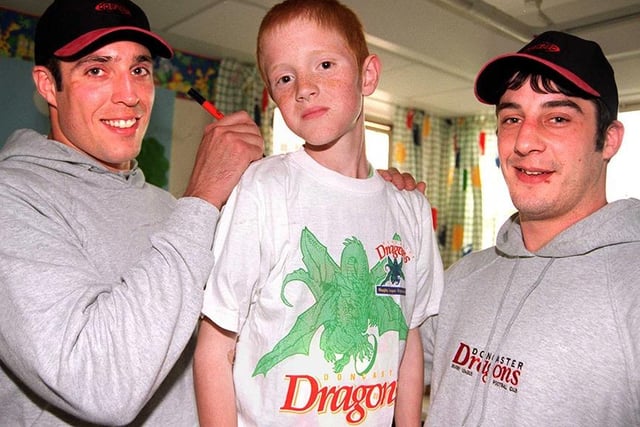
(550, 338)
(101, 286)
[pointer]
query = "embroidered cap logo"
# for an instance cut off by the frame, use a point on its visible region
(112, 7)
(544, 47)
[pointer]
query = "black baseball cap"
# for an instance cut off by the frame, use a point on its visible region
(69, 29)
(577, 61)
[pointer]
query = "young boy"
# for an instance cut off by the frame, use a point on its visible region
(323, 270)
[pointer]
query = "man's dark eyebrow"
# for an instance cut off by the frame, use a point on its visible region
(564, 103)
(103, 59)
(549, 104)
(144, 58)
(504, 105)
(94, 58)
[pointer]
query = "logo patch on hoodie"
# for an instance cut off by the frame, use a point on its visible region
(504, 372)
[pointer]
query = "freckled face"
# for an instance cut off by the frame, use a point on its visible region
(315, 81)
(546, 145)
(105, 104)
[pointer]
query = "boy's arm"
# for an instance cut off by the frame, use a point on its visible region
(427, 335)
(408, 411)
(213, 375)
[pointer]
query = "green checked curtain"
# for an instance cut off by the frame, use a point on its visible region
(463, 215)
(406, 152)
(267, 125)
(239, 87)
(417, 147)
(445, 153)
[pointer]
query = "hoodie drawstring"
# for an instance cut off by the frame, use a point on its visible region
(510, 323)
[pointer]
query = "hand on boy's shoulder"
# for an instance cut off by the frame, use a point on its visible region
(227, 148)
(403, 181)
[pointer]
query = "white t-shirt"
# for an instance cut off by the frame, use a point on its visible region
(321, 275)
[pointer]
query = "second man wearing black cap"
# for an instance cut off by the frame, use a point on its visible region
(542, 329)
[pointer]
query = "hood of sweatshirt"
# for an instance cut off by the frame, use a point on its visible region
(28, 146)
(616, 223)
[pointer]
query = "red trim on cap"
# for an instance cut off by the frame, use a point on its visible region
(573, 78)
(581, 84)
(85, 40)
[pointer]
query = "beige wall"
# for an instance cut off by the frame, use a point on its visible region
(189, 121)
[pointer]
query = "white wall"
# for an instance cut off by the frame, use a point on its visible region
(623, 173)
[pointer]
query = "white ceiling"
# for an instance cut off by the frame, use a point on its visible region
(430, 49)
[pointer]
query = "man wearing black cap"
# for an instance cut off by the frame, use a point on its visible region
(102, 274)
(543, 329)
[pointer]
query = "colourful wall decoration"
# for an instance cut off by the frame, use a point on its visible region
(185, 71)
(17, 32)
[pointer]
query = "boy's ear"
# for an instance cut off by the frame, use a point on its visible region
(45, 84)
(370, 74)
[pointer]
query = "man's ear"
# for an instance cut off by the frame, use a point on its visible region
(370, 74)
(45, 84)
(613, 139)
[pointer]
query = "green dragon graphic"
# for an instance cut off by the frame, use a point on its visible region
(346, 306)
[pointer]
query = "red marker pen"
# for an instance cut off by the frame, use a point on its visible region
(205, 104)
